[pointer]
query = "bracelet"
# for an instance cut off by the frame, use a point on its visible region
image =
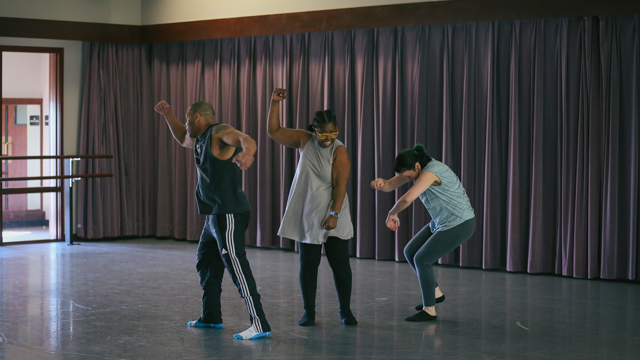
(334, 213)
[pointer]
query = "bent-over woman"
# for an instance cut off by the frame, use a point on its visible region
(453, 220)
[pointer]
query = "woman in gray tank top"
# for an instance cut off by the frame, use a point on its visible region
(453, 220)
(317, 211)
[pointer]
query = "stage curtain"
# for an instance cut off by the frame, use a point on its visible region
(539, 119)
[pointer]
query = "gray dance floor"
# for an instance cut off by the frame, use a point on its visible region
(132, 300)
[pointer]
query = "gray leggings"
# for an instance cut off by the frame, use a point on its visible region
(426, 248)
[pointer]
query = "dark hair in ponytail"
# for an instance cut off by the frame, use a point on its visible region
(322, 117)
(408, 158)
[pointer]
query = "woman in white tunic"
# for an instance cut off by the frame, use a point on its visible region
(317, 211)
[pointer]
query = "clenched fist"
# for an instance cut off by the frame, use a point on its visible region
(377, 184)
(163, 108)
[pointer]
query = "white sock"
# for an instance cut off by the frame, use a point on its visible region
(250, 334)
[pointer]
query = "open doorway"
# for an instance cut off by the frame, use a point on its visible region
(31, 127)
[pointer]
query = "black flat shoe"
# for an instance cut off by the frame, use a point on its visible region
(421, 316)
(308, 319)
(347, 318)
(438, 300)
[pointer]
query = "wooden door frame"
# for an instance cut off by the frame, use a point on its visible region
(56, 82)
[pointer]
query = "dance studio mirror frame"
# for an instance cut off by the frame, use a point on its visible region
(50, 187)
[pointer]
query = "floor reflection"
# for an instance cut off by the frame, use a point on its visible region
(31, 233)
(132, 300)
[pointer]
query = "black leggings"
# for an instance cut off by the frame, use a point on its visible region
(337, 251)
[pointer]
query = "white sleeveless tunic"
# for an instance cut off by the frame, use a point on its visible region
(310, 200)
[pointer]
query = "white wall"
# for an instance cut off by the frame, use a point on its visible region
(22, 75)
(126, 12)
(26, 75)
(170, 11)
(33, 149)
(146, 12)
(47, 199)
(71, 87)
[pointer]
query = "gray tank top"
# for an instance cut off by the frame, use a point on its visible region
(310, 198)
(447, 203)
(218, 190)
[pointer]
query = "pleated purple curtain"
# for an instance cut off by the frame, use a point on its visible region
(539, 118)
(116, 87)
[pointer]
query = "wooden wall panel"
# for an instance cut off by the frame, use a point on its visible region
(68, 30)
(445, 12)
(442, 12)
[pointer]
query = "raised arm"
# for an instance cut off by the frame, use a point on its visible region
(178, 130)
(292, 138)
(340, 172)
(388, 185)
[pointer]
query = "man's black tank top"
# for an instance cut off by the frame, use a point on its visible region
(218, 190)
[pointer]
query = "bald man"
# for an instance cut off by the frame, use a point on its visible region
(221, 153)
